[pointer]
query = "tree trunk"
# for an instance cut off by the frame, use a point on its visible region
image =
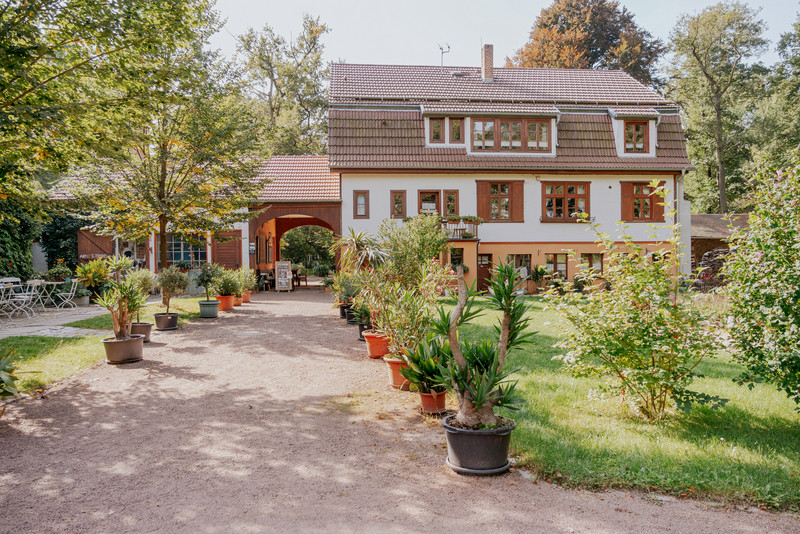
(723, 196)
(162, 240)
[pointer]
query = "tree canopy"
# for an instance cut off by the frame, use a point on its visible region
(590, 34)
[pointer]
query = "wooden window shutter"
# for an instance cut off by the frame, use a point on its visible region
(517, 201)
(658, 209)
(483, 200)
(627, 201)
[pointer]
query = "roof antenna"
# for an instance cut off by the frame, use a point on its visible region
(443, 52)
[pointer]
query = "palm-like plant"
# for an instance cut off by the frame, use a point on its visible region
(358, 249)
(122, 300)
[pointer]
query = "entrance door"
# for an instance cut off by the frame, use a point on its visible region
(484, 270)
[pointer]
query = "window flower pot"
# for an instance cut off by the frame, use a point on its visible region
(123, 350)
(237, 301)
(143, 329)
(209, 309)
(246, 297)
(166, 321)
(225, 302)
(377, 344)
(396, 380)
(433, 402)
(478, 452)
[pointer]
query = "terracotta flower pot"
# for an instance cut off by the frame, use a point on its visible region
(396, 380)
(225, 302)
(237, 301)
(433, 402)
(123, 350)
(246, 296)
(377, 344)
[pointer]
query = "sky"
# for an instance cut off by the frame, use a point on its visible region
(409, 32)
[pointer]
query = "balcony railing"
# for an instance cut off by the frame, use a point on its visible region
(466, 228)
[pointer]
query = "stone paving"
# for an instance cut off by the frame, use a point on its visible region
(49, 323)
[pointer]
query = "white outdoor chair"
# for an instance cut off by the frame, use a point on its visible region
(26, 299)
(67, 296)
(6, 308)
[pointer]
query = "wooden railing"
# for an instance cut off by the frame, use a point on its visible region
(461, 229)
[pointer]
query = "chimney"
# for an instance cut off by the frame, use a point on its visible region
(487, 63)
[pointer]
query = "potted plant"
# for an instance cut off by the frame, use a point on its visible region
(123, 299)
(424, 372)
(93, 275)
(248, 280)
(226, 286)
(145, 282)
(477, 438)
(361, 316)
(82, 296)
(172, 282)
(183, 265)
(58, 272)
(206, 279)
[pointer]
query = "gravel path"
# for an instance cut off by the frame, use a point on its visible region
(272, 418)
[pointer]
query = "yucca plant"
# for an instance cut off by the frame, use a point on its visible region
(122, 300)
(424, 364)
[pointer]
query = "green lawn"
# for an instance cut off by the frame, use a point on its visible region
(42, 361)
(187, 308)
(748, 451)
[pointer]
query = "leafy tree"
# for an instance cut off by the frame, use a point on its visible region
(590, 34)
(763, 271)
(289, 77)
(64, 67)
(710, 79)
(309, 245)
(18, 229)
(59, 239)
(189, 168)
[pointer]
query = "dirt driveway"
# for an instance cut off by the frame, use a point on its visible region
(273, 419)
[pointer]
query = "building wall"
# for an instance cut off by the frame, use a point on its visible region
(528, 237)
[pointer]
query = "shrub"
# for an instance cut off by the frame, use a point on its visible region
(247, 278)
(321, 270)
(59, 270)
(227, 283)
(93, 274)
(209, 273)
(122, 300)
(172, 283)
(412, 244)
(763, 271)
(644, 336)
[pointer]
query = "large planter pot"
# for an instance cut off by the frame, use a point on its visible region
(433, 402)
(166, 321)
(246, 297)
(237, 301)
(225, 302)
(350, 316)
(396, 380)
(81, 301)
(377, 344)
(209, 308)
(343, 310)
(143, 329)
(362, 327)
(123, 350)
(478, 452)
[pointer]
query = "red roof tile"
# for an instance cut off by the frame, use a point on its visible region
(351, 82)
(485, 108)
(298, 178)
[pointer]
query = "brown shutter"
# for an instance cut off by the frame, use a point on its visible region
(228, 253)
(483, 200)
(518, 201)
(627, 201)
(658, 209)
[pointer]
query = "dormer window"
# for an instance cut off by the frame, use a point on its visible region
(636, 141)
(437, 130)
(515, 135)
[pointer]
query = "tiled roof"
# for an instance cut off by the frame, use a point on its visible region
(715, 226)
(299, 178)
(376, 139)
(351, 82)
(485, 108)
(630, 111)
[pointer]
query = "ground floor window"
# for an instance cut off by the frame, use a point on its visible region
(522, 262)
(457, 257)
(592, 261)
(556, 264)
(180, 248)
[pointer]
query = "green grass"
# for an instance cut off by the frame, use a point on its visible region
(42, 361)
(187, 308)
(748, 451)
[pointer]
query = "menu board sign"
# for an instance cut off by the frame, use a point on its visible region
(283, 275)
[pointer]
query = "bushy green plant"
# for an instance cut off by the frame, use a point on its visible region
(358, 250)
(227, 283)
(644, 336)
(474, 371)
(321, 270)
(424, 361)
(209, 273)
(411, 244)
(59, 270)
(144, 281)
(182, 264)
(346, 286)
(93, 274)
(763, 271)
(118, 266)
(123, 299)
(172, 283)
(247, 278)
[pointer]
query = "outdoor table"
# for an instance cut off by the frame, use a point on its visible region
(46, 296)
